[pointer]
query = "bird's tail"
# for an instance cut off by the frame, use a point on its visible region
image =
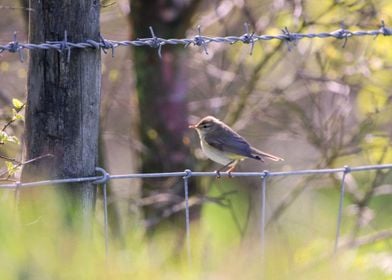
(261, 155)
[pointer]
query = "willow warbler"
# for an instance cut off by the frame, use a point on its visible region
(223, 145)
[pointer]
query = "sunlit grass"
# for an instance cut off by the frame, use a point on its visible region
(37, 243)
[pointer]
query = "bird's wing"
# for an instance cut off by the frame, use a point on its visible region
(227, 140)
(261, 154)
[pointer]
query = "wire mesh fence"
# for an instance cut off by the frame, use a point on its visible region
(104, 177)
(250, 38)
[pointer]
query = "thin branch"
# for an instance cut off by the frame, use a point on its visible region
(235, 110)
(362, 204)
(24, 163)
(16, 8)
(367, 239)
(192, 202)
(13, 119)
(10, 159)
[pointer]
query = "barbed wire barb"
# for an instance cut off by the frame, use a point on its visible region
(248, 38)
(63, 46)
(103, 44)
(384, 30)
(290, 38)
(155, 42)
(15, 47)
(344, 33)
(200, 41)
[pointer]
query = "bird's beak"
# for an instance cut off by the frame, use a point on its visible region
(192, 126)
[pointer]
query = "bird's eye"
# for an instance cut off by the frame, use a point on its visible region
(205, 125)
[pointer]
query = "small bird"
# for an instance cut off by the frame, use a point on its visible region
(223, 145)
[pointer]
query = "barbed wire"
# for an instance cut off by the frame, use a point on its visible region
(199, 40)
(104, 177)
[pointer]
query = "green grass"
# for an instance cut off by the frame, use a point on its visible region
(38, 243)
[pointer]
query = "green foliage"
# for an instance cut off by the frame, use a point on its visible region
(378, 148)
(10, 168)
(5, 138)
(7, 141)
(18, 105)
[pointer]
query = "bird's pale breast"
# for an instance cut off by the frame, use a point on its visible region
(217, 155)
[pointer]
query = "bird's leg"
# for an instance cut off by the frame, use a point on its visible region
(220, 169)
(232, 168)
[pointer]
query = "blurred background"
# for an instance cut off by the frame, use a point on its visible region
(318, 103)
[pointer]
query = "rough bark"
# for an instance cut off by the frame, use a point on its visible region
(62, 113)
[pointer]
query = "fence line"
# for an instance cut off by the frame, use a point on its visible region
(199, 40)
(188, 174)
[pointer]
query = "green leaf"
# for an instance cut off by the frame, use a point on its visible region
(19, 117)
(13, 139)
(377, 148)
(16, 115)
(3, 136)
(372, 99)
(17, 103)
(10, 167)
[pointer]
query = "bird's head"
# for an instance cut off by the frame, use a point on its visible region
(206, 125)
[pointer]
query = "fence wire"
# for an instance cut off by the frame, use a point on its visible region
(64, 46)
(104, 177)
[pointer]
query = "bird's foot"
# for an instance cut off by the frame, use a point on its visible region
(218, 175)
(230, 170)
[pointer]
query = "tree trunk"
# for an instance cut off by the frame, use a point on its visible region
(162, 93)
(62, 113)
